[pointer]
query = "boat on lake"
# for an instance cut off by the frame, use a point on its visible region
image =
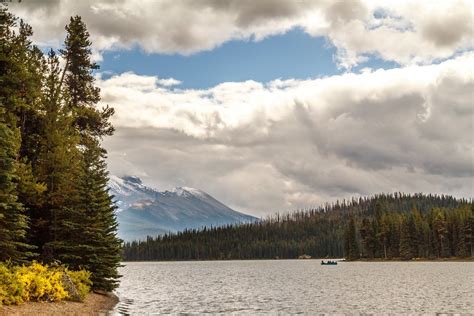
(329, 263)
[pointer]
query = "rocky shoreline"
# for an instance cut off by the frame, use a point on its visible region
(94, 304)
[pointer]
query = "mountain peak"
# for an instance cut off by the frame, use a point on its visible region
(186, 191)
(147, 211)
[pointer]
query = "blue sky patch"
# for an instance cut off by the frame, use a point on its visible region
(294, 54)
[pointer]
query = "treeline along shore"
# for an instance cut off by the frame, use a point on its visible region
(386, 226)
(57, 220)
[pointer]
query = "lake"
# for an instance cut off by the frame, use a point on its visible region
(295, 286)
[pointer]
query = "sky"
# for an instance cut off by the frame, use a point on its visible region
(277, 105)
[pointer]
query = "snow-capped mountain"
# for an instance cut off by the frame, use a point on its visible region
(144, 211)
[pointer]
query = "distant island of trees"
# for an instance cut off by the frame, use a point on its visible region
(385, 226)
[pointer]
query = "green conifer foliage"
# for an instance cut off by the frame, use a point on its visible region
(407, 239)
(52, 167)
(351, 246)
(101, 248)
(83, 95)
(95, 245)
(57, 167)
(405, 227)
(13, 222)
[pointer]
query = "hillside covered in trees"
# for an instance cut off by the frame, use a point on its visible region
(54, 200)
(384, 226)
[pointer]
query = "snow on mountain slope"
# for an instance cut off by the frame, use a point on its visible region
(144, 211)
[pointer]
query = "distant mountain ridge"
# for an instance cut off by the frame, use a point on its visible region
(144, 211)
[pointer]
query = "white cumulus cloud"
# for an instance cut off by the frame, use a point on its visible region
(279, 145)
(406, 32)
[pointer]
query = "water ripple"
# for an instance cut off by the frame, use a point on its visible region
(295, 287)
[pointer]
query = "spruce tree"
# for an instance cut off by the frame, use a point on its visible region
(408, 238)
(13, 221)
(101, 248)
(350, 241)
(95, 246)
(56, 224)
(79, 82)
(468, 234)
(440, 234)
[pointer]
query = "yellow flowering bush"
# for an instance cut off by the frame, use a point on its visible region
(41, 283)
(37, 282)
(82, 281)
(11, 289)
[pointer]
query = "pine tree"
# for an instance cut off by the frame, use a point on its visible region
(350, 241)
(79, 82)
(369, 235)
(57, 167)
(408, 238)
(468, 234)
(28, 80)
(96, 247)
(394, 250)
(384, 234)
(13, 221)
(440, 234)
(22, 79)
(465, 243)
(101, 249)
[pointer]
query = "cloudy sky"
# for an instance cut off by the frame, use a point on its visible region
(273, 105)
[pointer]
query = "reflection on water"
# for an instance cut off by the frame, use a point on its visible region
(295, 286)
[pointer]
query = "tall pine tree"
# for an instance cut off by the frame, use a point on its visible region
(101, 247)
(56, 223)
(83, 95)
(13, 221)
(351, 247)
(95, 246)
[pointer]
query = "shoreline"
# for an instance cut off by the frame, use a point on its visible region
(94, 304)
(414, 260)
(453, 259)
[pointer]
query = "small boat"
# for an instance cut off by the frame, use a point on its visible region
(329, 263)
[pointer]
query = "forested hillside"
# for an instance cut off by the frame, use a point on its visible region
(54, 201)
(384, 226)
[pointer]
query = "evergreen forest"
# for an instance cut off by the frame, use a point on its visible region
(385, 226)
(54, 201)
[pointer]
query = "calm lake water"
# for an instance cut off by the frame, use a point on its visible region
(295, 286)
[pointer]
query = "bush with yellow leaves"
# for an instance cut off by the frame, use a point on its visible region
(11, 289)
(37, 282)
(82, 282)
(41, 283)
